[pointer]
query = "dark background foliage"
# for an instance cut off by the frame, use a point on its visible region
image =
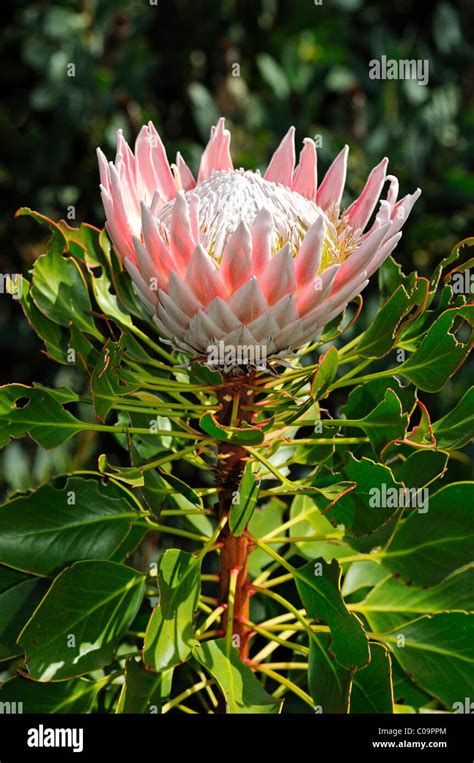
(173, 61)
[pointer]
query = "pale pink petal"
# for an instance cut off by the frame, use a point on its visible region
(278, 278)
(103, 170)
(220, 312)
(330, 191)
(262, 231)
(205, 327)
(164, 177)
(316, 290)
(383, 253)
(186, 176)
(336, 303)
(284, 311)
(263, 327)
(148, 296)
(172, 310)
(182, 295)
(280, 169)
(236, 265)
(216, 155)
(182, 244)
(156, 247)
(309, 254)
(305, 178)
(359, 212)
(360, 259)
(248, 302)
(402, 209)
(289, 335)
(203, 278)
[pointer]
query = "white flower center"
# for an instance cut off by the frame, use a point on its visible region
(229, 196)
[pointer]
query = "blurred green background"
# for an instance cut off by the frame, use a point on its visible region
(174, 61)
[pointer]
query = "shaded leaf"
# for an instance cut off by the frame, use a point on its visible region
(94, 602)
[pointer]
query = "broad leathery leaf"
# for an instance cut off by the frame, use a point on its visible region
(143, 691)
(324, 374)
(371, 690)
(386, 422)
(429, 545)
(59, 290)
(368, 523)
(35, 411)
(456, 428)
(318, 585)
(16, 607)
(328, 682)
(242, 692)
(45, 529)
(440, 353)
(382, 334)
(75, 696)
(94, 602)
(438, 652)
(169, 636)
(392, 602)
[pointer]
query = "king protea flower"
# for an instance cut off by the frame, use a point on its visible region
(238, 259)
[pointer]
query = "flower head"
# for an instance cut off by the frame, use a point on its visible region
(237, 259)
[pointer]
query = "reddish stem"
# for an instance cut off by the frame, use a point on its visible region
(234, 550)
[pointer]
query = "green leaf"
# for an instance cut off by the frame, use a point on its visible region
(106, 385)
(318, 585)
(386, 422)
(368, 523)
(245, 435)
(405, 690)
(427, 547)
(328, 682)
(242, 692)
(324, 374)
(382, 334)
(438, 653)
(143, 691)
(54, 525)
(169, 636)
(364, 398)
(16, 606)
(440, 353)
(421, 468)
(37, 412)
(76, 696)
(54, 336)
(244, 501)
(455, 430)
(10, 578)
(313, 522)
(372, 686)
(80, 621)
(363, 574)
(392, 602)
(59, 289)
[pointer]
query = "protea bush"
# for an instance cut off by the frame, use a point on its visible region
(278, 523)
